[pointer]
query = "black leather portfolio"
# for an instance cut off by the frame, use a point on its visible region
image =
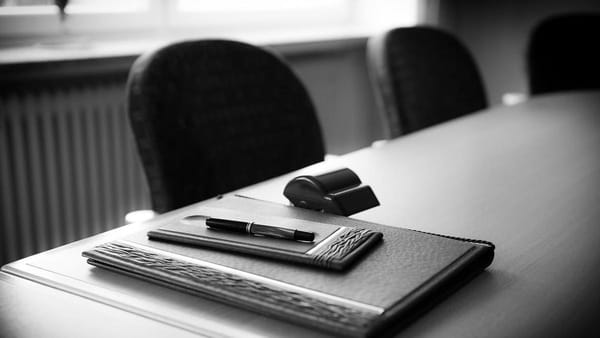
(402, 275)
(334, 246)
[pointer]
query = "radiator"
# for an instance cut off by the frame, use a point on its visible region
(68, 167)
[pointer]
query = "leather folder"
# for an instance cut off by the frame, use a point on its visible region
(405, 274)
(334, 247)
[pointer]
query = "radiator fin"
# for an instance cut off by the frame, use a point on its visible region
(69, 168)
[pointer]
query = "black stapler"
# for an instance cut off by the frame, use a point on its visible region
(338, 192)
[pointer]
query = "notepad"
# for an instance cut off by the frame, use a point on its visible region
(335, 246)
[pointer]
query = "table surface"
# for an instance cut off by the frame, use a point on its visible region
(526, 177)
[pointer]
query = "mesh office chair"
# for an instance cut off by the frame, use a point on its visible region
(212, 116)
(423, 76)
(563, 54)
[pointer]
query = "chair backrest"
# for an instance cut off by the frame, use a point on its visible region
(212, 116)
(563, 53)
(423, 76)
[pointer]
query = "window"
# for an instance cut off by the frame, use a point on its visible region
(41, 19)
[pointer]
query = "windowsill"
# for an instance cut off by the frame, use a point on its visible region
(77, 48)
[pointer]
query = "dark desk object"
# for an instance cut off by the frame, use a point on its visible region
(563, 53)
(338, 192)
(212, 116)
(525, 177)
(423, 76)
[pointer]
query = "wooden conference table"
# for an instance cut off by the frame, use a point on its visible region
(526, 177)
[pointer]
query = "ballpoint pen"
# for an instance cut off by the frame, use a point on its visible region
(254, 228)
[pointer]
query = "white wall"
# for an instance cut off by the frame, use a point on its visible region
(497, 32)
(339, 86)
